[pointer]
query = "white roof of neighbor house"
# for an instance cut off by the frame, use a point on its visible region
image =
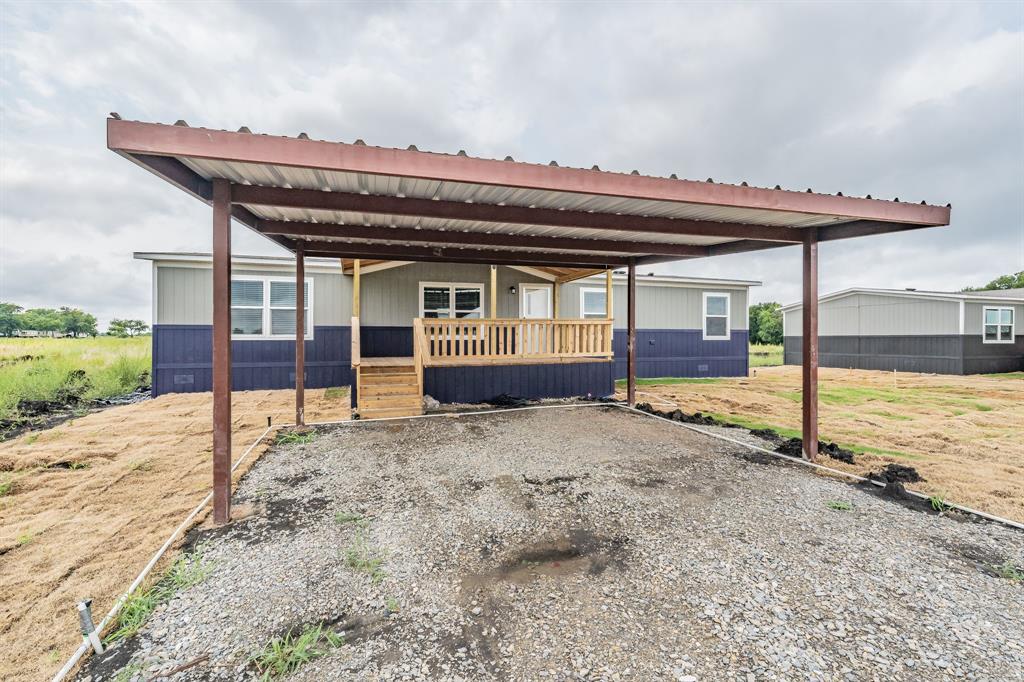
(1007, 295)
(196, 257)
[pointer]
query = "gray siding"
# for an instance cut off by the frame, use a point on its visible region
(973, 316)
(392, 297)
(658, 307)
(880, 315)
(185, 295)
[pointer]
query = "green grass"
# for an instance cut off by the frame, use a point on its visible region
(938, 503)
(891, 415)
(295, 437)
(112, 367)
(867, 449)
(361, 558)
(6, 487)
(187, 570)
(282, 656)
(755, 425)
(839, 505)
(765, 356)
(1005, 375)
(336, 393)
(664, 381)
(342, 518)
(1008, 571)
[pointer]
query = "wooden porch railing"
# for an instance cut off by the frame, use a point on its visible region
(509, 341)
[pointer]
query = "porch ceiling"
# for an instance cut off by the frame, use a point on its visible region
(356, 201)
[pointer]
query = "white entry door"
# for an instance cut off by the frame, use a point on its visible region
(535, 301)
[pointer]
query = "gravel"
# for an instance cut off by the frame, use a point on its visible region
(583, 543)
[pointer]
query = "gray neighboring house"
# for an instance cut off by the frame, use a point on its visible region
(971, 332)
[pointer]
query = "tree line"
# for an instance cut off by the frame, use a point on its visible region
(64, 320)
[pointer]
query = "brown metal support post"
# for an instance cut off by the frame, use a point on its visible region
(630, 334)
(810, 345)
(300, 333)
(221, 351)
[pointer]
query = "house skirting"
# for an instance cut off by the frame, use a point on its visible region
(182, 362)
(938, 354)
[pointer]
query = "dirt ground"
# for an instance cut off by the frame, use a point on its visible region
(964, 434)
(94, 498)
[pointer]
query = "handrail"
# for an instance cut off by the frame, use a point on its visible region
(419, 349)
(447, 341)
(356, 359)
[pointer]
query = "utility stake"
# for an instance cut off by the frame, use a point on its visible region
(88, 629)
(268, 421)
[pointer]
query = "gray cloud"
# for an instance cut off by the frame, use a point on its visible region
(920, 101)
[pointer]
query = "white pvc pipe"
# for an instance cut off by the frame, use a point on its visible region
(149, 567)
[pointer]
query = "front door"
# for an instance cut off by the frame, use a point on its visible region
(535, 301)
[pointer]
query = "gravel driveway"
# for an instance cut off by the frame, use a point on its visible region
(585, 543)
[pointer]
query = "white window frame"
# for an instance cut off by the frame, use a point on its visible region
(536, 285)
(267, 279)
(593, 316)
(999, 325)
(705, 316)
(452, 286)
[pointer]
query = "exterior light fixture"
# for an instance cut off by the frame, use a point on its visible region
(512, 290)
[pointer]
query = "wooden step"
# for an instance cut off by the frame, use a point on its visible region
(390, 401)
(374, 413)
(389, 390)
(389, 369)
(383, 379)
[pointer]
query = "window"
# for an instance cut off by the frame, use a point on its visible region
(444, 299)
(534, 301)
(592, 303)
(264, 308)
(998, 325)
(716, 316)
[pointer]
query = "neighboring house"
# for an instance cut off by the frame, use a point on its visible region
(971, 332)
(685, 326)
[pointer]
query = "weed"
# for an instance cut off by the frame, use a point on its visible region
(53, 657)
(1009, 571)
(187, 570)
(335, 393)
(7, 487)
(32, 438)
(128, 672)
(141, 465)
(342, 518)
(359, 557)
(839, 505)
(284, 655)
(25, 538)
(78, 465)
(295, 437)
(938, 503)
(391, 604)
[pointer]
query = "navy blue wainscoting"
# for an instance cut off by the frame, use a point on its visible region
(682, 353)
(183, 360)
(559, 380)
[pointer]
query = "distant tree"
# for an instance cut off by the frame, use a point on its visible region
(9, 318)
(75, 322)
(1014, 281)
(119, 327)
(40, 319)
(766, 323)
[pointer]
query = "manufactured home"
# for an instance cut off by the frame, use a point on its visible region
(972, 332)
(686, 327)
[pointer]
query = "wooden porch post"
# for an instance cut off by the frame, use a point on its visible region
(608, 310)
(221, 351)
(355, 288)
(494, 292)
(630, 331)
(810, 344)
(300, 333)
(556, 294)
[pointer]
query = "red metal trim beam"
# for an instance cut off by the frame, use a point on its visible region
(135, 137)
(631, 334)
(457, 237)
(455, 255)
(317, 200)
(809, 365)
(300, 335)
(221, 351)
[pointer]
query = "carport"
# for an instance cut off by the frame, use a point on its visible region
(364, 204)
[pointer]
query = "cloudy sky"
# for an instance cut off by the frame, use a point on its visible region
(919, 101)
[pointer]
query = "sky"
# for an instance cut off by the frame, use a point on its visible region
(916, 101)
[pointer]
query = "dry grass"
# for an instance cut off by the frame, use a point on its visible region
(132, 475)
(965, 435)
